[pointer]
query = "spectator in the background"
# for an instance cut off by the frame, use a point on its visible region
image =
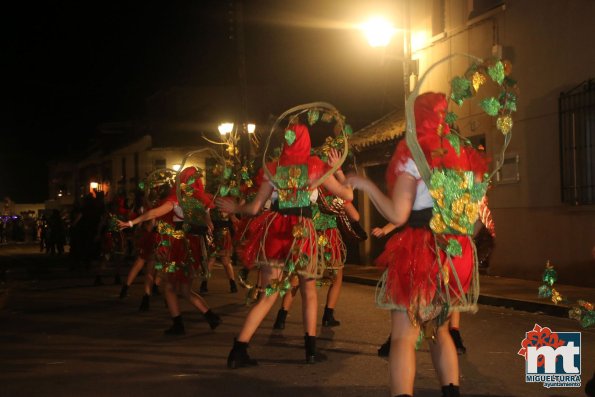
(56, 233)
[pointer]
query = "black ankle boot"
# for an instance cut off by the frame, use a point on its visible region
(238, 356)
(280, 320)
(384, 349)
(456, 338)
(203, 287)
(144, 304)
(124, 291)
(312, 356)
(328, 318)
(177, 328)
(233, 288)
(212, 319)
(450, 391)
(155, 290)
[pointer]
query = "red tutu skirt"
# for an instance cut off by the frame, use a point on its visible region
(272, 236)
(173, 258)
(416, 281)
(146, 243)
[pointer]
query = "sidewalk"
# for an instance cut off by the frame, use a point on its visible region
(496, 291)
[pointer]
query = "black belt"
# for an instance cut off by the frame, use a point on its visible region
(420, 218)
(306, 212)
(200, 230)
(220, 224)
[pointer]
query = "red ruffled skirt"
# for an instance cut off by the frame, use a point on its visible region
(146, 243)
(272, 236)
(413, 280)
(173, 258)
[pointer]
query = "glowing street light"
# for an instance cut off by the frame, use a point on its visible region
(176, 167)
(225, 128)
(378, 31)
(250, 128)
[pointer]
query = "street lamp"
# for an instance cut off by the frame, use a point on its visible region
(225, 128)
(379, 33)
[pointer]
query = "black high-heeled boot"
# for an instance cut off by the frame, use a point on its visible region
(155, 290)
(384, 349)
(310, 345)
(204, 288)
(238, 356)
(280, 320)
(450, 391)
(328, 318)
(144, 304)
(213, 319)
(233, 288)
(177, 328)
(124, 291)
(456, 338)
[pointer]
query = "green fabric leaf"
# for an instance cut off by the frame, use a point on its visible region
(223, 191)
(461, 89)
(227, 172)
(496, 72)
(348, 130)
(455, 142)
(450, 118)
(313, 116)
(544, 291)
(491, 106)
(290, 137)
(454, 248)
(234, 191)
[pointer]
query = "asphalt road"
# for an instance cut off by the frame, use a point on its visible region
(62, 336)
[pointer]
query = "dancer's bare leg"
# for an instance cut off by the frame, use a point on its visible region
(194, 298)
(334, 290)
(402, 353)
(171, 298)
(309, 305)
(134, 270)
(444, 357)
(259, 311)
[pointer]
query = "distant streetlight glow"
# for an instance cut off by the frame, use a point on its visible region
(225, 128)
(378, 31)
(176, 167)
(251, 128)
(93, 186)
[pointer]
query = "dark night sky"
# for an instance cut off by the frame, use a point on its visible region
(69, 66)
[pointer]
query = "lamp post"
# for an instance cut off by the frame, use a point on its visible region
(380, 31)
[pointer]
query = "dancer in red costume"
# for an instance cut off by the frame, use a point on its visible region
(417, 286)
(176, 257)
(282, 241)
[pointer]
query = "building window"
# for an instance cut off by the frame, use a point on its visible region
(438, 17)
(482, 6)
(577, 144)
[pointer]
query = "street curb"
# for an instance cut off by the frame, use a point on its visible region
(490, 300)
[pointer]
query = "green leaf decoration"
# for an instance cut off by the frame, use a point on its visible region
(461, 89)
(313, 116)
(327, 256)
(544, 291)
(491, 106)
(165, 243)
(450, 118)
(234, 192)
(223, 191)
(227, 173)
(550, 276)
(455, 142)
(454, 248)
(509, 82)
(141, 185)
(496, 72)
(348, 130)
(191, 181)
(290, 137)
(269, 290)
